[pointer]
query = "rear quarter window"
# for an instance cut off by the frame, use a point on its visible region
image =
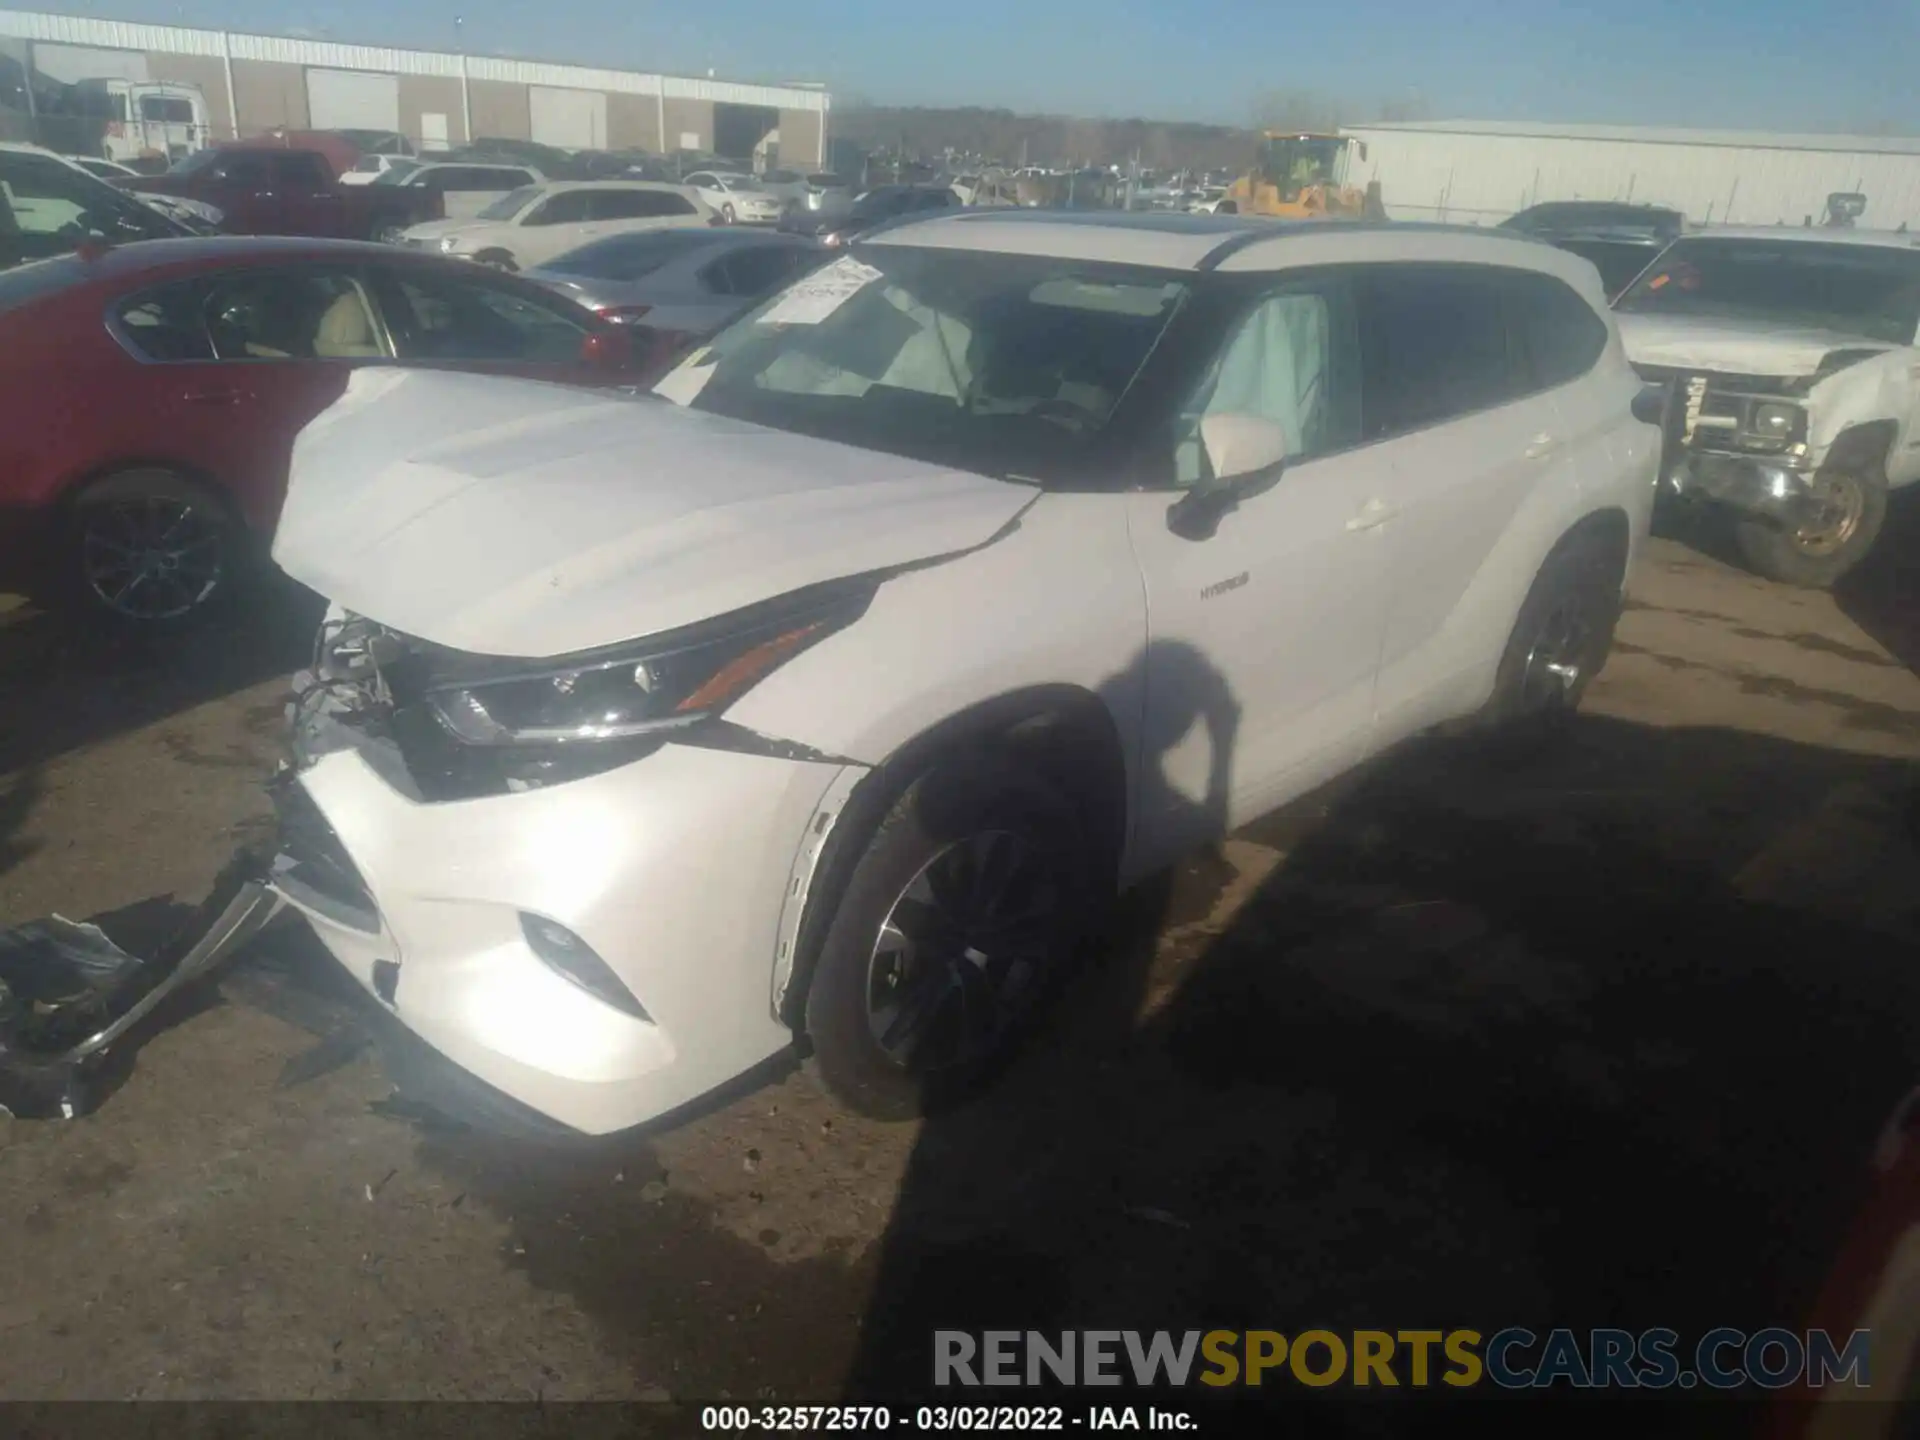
(1562, 337)
(165, 323)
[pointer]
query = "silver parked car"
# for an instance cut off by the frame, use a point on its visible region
(679, 285)
(818, 191)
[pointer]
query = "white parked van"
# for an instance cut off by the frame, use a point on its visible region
(147, 119)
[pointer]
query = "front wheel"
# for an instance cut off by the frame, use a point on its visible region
(967, 907)
(1848, 512)
(151, 550)
(1560, 638)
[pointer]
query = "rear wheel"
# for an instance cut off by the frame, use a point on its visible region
(152, 550)
(1848, 512)
(966, 909)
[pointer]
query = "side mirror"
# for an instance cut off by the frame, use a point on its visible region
(1650, 404)
(608, 349)
(1246, 454)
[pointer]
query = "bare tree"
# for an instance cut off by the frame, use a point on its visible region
(1297, 110)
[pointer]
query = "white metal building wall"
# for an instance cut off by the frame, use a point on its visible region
(178, 40)
(70, 64)
(352, 100)
(1481, 175)
(570, 119)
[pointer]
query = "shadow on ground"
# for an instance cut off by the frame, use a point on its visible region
(1882, 596)
(1494, 1046)
(64, 686)
(1499, 1042)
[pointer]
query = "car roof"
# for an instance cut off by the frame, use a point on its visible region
(1232, 243)
(124, 262)
(611, 184)
(1804, 234)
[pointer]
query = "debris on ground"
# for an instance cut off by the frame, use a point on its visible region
(70, 998)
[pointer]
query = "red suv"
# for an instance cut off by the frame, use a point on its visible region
(150, 395)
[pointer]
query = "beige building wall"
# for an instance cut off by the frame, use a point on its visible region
(633, 122)
(800, 139)
(688, 117)
(500, 110)
(432, 94)
(209, 74)
(269, 94)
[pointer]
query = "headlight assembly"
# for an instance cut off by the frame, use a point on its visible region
(1775, 423)
(640, 689)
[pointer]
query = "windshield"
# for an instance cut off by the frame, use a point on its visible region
(1008, 365)
(510, 204)
(1867, 290)
(628, 257)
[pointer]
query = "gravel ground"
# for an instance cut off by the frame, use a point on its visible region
(1595, 1037)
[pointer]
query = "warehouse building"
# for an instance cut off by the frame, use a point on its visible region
(1480, 172)
(254, 84)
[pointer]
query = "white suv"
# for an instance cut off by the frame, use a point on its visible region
(829, 691)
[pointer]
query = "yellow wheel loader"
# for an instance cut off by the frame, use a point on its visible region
(1300, 176)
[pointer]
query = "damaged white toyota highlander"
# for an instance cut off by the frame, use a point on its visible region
(826, 693)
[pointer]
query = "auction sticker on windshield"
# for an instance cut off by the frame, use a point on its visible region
(819, 295)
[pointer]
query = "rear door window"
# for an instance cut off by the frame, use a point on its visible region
(756, 270)
(302, 170)
(1435, 343)
(569, 207)
(637, 205)
(445, 317)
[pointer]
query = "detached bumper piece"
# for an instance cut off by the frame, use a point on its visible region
(71, 1001)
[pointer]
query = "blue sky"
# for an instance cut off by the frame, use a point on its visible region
(1776, 64)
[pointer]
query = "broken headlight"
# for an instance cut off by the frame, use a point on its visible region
(640, 689)
(1773, 425)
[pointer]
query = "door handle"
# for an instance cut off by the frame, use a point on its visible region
(213, 397)
(1374, 513)
(1542, 446)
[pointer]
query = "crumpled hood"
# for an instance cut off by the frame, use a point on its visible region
(508, 517)
(1738, 347)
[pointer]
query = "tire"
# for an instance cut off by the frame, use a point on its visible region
(1560, 638)
(497, 260)
(962, 814)
(1813, 559)
(121, 527)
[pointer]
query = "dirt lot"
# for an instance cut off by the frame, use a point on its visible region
(1600, 1037)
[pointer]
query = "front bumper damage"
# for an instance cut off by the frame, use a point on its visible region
(1767, 489)
(72, 1002)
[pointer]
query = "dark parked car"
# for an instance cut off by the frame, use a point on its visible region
(133, 473)
(268, 190)
(876, 207)
(1620, 239)
(52, 207)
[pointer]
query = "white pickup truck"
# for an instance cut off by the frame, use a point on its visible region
(1796, 385)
